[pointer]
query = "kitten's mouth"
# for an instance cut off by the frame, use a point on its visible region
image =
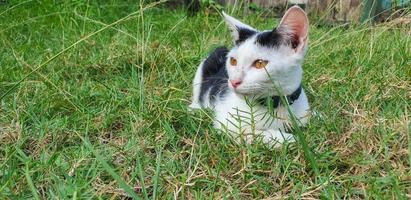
(237, 91)
(240, 92)
(245, 90)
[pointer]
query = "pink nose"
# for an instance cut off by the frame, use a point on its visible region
(235, 83)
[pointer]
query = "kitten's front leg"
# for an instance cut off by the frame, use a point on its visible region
(276, 137)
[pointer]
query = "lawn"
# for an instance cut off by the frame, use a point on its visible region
(93, 104)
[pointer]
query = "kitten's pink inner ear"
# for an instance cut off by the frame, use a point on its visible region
(295, 22)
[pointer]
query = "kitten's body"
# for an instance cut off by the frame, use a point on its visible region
(238, 107)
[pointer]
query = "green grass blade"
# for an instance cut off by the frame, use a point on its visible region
(107, 167)
(141, 175)
(30, 183)
(157, 173)
(111, 171)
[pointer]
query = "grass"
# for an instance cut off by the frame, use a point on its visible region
(92, 109)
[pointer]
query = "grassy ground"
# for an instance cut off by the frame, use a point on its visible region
(108, 115)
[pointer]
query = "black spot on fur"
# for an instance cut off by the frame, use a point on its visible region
(270, 38)
(244, 34)
(214, 77)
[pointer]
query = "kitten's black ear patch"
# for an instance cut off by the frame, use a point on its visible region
(270, 39)
(239, 30)
(244, 34)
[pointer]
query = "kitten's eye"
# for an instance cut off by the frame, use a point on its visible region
(233, 61)
(259, 64)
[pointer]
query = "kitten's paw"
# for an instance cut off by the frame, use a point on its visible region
(194, 106)
(277, 138)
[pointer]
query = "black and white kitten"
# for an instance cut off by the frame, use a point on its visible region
(245, 83)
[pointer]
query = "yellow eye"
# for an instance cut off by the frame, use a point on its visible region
(233, 61)
(259, 64)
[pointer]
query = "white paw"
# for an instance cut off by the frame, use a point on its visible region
(194, 106)
(277, 138)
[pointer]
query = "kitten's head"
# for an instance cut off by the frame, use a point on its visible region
(263, 60)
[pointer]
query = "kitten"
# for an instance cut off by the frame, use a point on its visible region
(243, 85)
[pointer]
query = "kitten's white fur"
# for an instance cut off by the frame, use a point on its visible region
(195, 104)
(283, 72)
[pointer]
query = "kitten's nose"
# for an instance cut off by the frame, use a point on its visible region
(235, 83)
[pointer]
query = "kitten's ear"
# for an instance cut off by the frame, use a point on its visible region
(239, 30)
(295, 25)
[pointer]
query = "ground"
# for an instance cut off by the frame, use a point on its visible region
(93, 104)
